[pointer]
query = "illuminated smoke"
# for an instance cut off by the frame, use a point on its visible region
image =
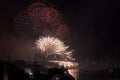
(53, 46)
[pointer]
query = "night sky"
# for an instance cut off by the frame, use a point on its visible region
(94, 25)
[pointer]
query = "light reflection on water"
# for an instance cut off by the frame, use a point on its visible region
(74, 73)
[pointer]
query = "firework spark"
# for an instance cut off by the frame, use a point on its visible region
(53, 46)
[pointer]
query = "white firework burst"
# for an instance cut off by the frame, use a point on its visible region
(51, 45)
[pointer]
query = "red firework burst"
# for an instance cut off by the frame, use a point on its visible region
(38, 19)
(62, 31)
(22, 25)
(41, 15)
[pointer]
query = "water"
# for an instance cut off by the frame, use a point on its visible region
(99, 75)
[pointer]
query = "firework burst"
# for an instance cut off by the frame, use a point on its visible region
(42, 20)
(38, 19)
(53, 46)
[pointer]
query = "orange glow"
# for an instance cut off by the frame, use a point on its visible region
(74, 73)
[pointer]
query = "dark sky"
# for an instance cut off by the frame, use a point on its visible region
(94, 28)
